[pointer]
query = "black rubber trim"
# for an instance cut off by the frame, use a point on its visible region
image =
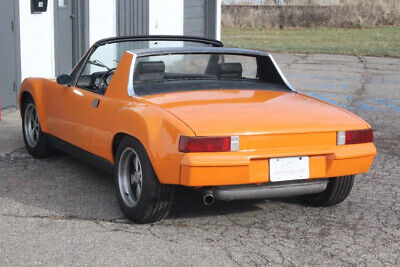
(185, 38)
(76, 152)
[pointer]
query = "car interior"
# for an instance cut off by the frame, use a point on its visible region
(149, 71)
(154, 71)
(96, 82)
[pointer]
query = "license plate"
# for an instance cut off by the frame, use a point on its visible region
(288, 169)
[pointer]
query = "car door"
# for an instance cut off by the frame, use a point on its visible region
(87, 95)
(69, 109)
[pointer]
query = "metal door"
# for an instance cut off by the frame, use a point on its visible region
(8, 83)
(63, 17)
(132, 17)
(194, 18)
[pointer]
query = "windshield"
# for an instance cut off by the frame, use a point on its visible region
(107, 57)
(100, 66)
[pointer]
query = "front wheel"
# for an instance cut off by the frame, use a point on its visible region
(142, 198)
(338, 190)
(35, 140)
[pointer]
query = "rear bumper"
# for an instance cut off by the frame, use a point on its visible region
(252, 167)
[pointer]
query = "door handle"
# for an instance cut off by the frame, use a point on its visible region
(95, 103)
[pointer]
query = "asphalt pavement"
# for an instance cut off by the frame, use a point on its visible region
(61, 211)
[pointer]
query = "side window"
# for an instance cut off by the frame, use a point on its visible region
(99, 68)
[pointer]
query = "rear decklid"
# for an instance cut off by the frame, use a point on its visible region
(249, 112)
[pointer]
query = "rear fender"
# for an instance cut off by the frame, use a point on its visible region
(159, 133)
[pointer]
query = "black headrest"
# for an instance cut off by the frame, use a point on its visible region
(147, 71)
(229, 70)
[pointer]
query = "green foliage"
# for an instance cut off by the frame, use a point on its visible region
(380, 41)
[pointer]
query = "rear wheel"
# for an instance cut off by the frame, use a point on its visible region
(142, 198)
(338, 190)
(35, 140)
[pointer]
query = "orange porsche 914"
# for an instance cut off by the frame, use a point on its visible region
(162, 111)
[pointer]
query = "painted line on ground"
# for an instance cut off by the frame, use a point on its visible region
(392, 100)
(334, 78)
(327, 100)
(386, 104)
(365, 106)
(326, 85)
(380, 99)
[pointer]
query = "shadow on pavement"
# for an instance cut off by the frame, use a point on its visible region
(189, 204)
(65, 187)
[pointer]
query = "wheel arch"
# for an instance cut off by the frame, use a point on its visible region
(24, 96)
(33, 87)
(158, 132)
(117, 140)
(118, 137)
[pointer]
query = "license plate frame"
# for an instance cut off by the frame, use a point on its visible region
(289, 169)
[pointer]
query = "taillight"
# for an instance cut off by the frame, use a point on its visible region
(355, 137)
(189, 144)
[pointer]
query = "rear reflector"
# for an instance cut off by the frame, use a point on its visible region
(208, 144)
(355, 137)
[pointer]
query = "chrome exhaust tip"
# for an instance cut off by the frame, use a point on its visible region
(208, 197)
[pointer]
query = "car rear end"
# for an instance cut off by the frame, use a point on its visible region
(315, 155)
(277, 165)
(254, 136)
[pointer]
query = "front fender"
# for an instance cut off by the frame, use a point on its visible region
(36, 88)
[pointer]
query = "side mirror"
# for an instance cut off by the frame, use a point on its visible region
(64, 79)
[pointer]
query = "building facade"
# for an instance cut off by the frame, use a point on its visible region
(37, 43)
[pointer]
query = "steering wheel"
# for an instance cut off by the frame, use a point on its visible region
(105, 76)
(100, 83)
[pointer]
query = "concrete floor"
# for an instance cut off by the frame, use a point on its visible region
(61, 211)
(10, 131)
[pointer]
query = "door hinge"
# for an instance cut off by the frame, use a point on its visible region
(12, 26)
(15, 86)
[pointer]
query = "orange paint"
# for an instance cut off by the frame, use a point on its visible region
(269, 123)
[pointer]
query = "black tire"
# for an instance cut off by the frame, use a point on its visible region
(40, 148)
(338, 190)
(155, 199)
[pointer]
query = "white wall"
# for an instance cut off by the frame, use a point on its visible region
(102, 19)
(37, 41)
(102, 24)
(166, 17)
(37, 34)
(218, 21)
(37, 30)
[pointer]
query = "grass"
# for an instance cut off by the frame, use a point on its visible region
(380, 41)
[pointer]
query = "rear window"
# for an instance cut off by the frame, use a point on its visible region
(175, 67)
(174, 72)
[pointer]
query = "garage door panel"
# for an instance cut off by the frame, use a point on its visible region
(194, 11)
(194, 3)
(196, 25)
(194, 17)
(7, 55)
